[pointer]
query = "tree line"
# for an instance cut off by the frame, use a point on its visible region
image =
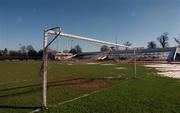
(28, 52)
(24, 53)
(163, 40)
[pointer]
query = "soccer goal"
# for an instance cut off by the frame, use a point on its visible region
(57, 32)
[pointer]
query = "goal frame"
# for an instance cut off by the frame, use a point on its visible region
(56, 31)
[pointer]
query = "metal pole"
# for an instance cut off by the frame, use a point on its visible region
(84, 38)
(44, 71)
(134, 62)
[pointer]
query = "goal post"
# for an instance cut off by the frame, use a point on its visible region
(57, 32)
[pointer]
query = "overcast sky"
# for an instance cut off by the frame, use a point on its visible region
(138, 21)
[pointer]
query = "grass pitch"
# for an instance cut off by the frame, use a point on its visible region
(116, 91)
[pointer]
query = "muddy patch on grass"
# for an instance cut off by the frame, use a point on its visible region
(95, 84)
(82, 82)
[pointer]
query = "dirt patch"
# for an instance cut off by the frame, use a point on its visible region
(88, 83)
(82, 82)
(95, 84)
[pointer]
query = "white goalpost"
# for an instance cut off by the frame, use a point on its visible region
(57, 32)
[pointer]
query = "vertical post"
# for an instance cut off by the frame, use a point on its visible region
(134, 62)
(174, 57)
(44, 71)
(116, 44)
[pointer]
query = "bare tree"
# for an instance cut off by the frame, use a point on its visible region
(23, 52)
(29, 48)
(163, 39)
(31, 52)
(5, 52)
(76, 49)
(127, 44)
(23, 49)
(151, 45)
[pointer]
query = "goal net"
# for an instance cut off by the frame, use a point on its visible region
(81, 64)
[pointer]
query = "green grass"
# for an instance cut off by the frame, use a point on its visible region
(20, 89)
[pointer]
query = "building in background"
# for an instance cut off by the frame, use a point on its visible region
(62, 56)
(159, 54)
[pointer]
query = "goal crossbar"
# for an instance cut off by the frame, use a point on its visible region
(52, 32)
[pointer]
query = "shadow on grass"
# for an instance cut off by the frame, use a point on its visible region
(19, 107)
(36, 87)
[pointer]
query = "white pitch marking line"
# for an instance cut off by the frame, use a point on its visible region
(67, 101)
(83, 96)
(35, 111)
